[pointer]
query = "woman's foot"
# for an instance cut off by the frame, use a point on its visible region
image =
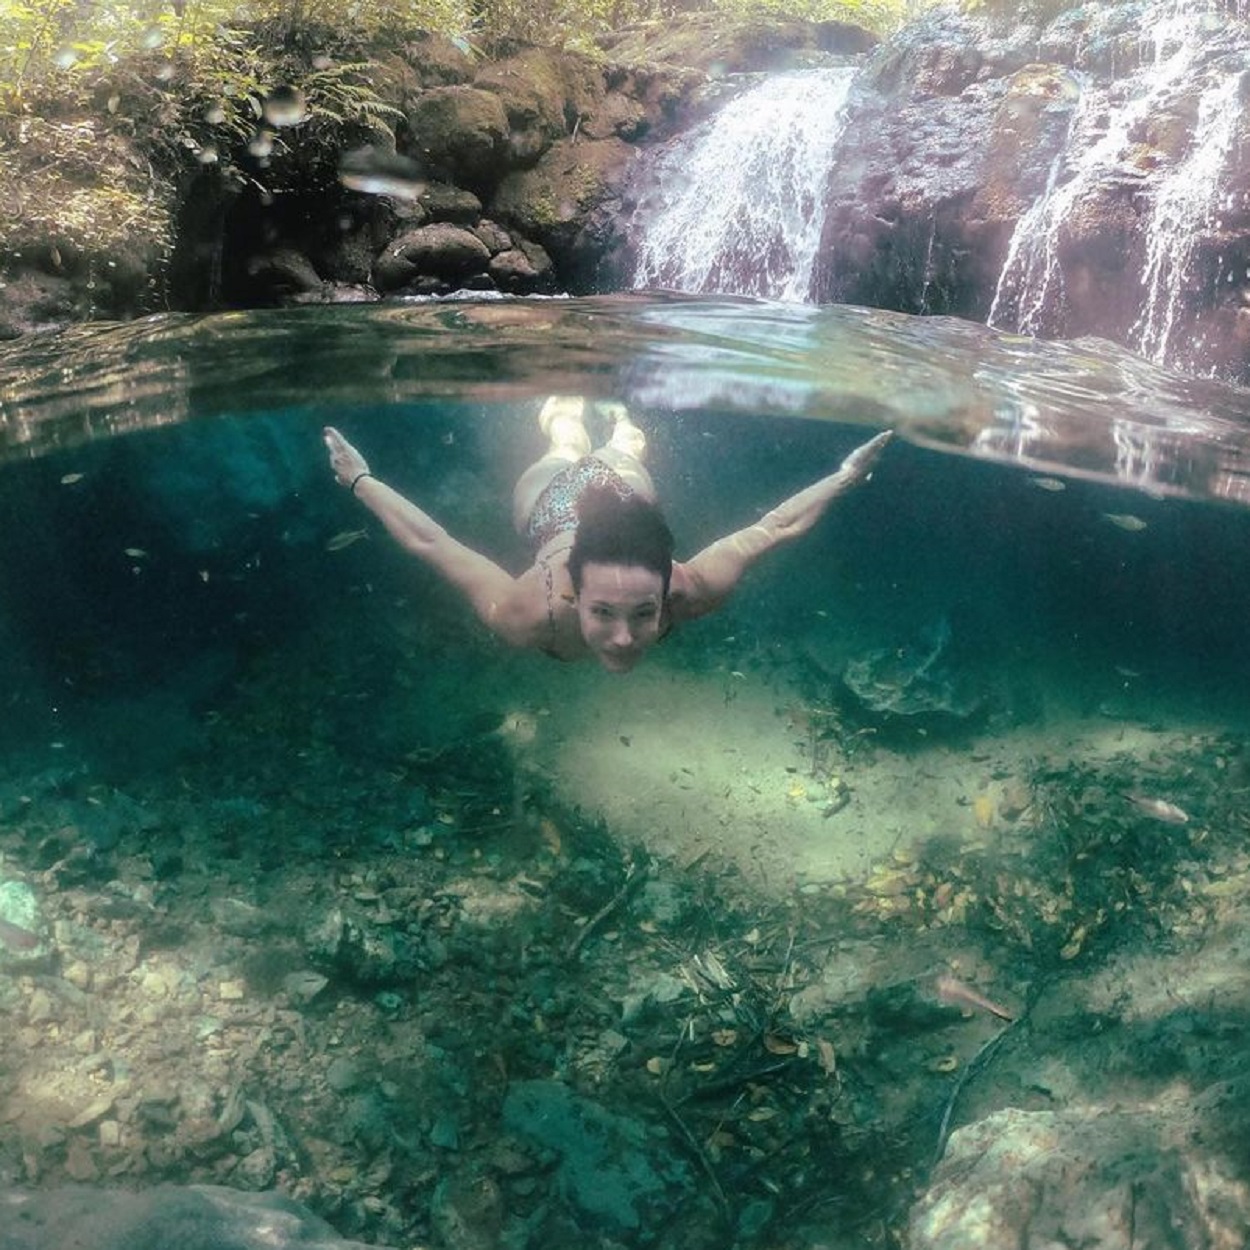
(627, 438)
(561, 421)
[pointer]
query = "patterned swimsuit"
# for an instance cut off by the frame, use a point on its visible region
(556, 509)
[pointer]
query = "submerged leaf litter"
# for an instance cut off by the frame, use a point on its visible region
(418, 991)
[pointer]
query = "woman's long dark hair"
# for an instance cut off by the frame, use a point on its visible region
(612, 529)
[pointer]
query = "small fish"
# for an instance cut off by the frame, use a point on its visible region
(135, 553)
(16, 937)
(70, 478)
(1125, 521)
(1048, 483)
(345, 539)
(1159, 809)
(956, 993)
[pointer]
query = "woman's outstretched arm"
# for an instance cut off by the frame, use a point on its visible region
(493, 592)
(703, 583)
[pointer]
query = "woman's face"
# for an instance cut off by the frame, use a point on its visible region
(619, 609)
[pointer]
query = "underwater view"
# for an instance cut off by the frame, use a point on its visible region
(918, 865)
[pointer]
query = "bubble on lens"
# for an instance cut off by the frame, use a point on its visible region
(321, 61)
(215, 114)
(285, 106)
(378, 172)
(66, 58)
(165, 71)
(261, 144)
(153, 37)
(207, 155)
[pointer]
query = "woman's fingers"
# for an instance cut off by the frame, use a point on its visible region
(860, 462)
(345, 460)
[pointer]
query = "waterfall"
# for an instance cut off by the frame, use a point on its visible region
(738, 205)
(1102, 136)
(1185, 201)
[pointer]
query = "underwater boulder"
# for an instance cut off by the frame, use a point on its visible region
(1088, 1176)
(195, 1217)
(914, 680)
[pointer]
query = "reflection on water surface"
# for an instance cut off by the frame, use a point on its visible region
(1084, 409)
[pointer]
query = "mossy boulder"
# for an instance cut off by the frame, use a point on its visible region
(440, 250)
(461, 133)
(547, 95)
(561, 196)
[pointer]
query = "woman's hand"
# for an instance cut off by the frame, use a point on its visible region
(348, 464)
(858, 466)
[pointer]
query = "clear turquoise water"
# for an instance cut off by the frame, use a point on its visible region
(210, 699)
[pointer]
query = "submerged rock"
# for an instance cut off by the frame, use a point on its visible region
(616, 1173)
(1088, 1176)
(913, 680)
(197, 1217)
(21, 927)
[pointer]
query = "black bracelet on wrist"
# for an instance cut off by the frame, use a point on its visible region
(357, 478)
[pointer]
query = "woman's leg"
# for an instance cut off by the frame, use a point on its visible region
(561, 419)
(625, 450)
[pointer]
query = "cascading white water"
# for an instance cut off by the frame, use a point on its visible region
(739, 203)
(1186, 200)
(1105, 125)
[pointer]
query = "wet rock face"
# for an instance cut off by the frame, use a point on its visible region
(919, 211)
(957, 129)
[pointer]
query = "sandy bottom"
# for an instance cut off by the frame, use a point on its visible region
(718, 766)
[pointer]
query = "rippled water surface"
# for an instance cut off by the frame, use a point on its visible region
(1085, 409)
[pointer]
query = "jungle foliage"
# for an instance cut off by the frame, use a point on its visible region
(67, 41)
(85, 85)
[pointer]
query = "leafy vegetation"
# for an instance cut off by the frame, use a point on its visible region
(223, 42)
(107, 107)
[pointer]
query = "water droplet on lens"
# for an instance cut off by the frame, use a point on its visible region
(261, 144)
(376, 172)
(207, 155)
(153, 38)
(65, 58)
(215, 115)
(285, 106)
